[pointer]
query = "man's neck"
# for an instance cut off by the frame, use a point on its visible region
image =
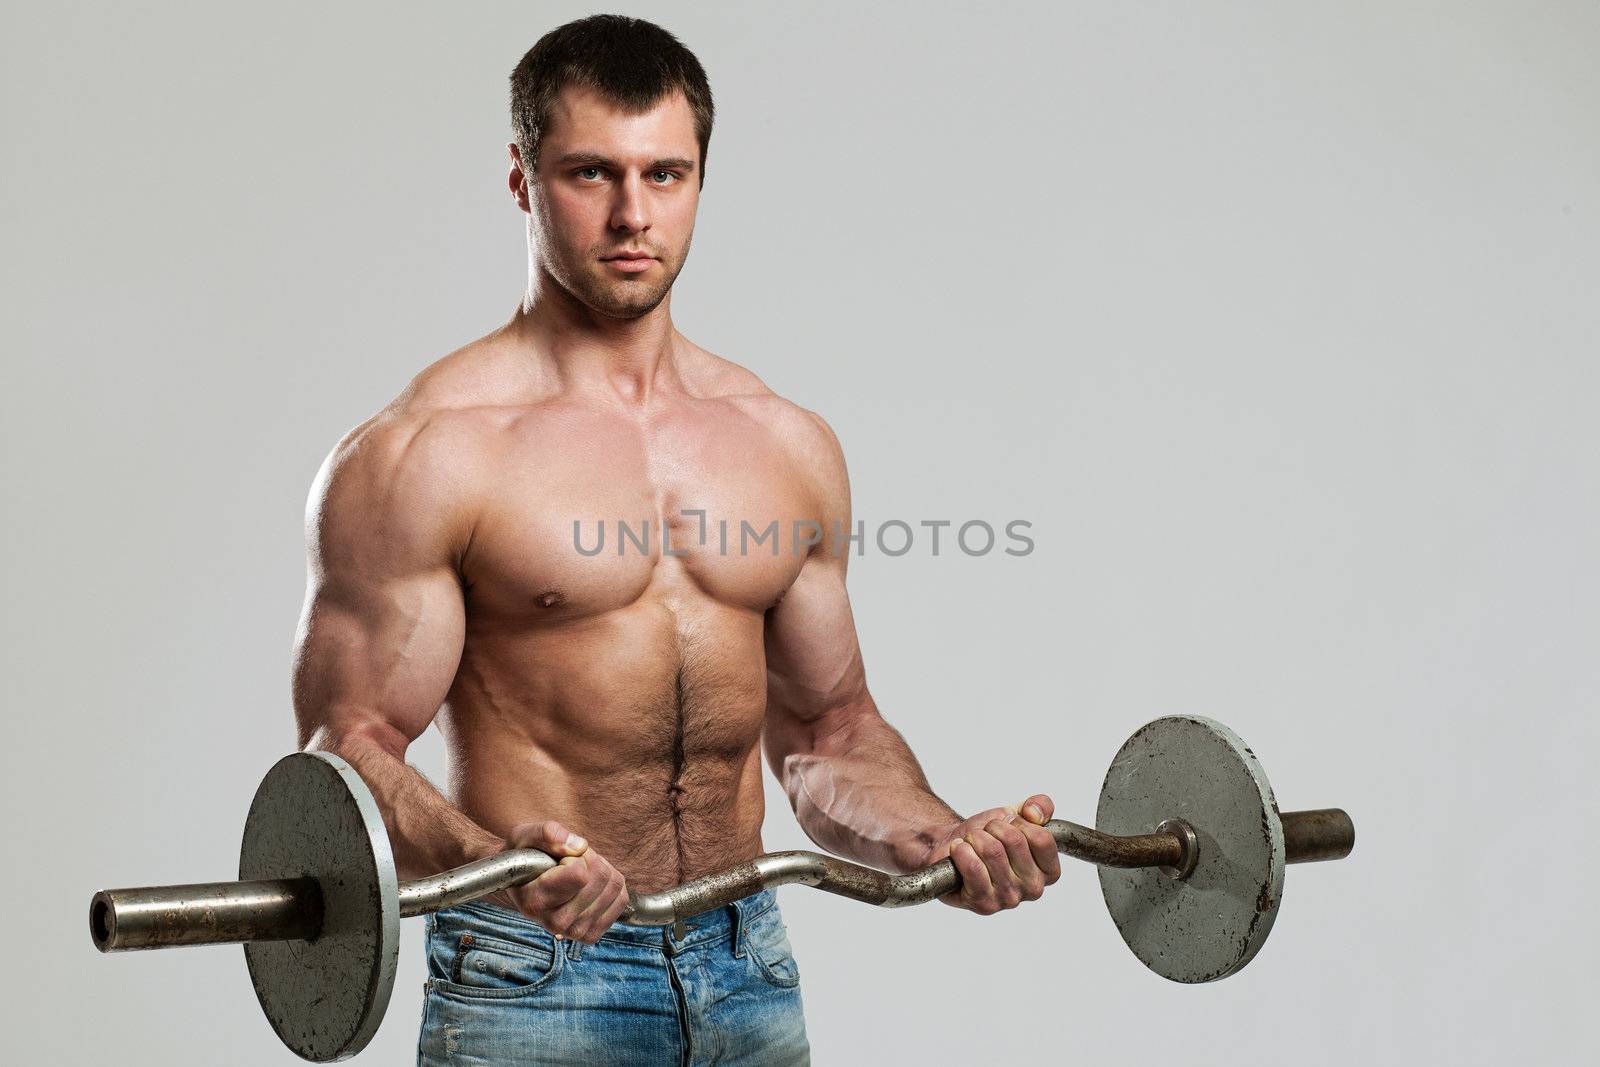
(630, 357)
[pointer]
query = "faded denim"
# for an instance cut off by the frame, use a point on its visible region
(721, 988)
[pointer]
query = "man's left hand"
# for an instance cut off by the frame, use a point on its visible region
(1004, 856)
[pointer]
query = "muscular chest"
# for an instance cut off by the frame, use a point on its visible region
(589, 512)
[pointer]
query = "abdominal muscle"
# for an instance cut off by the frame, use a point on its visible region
(638, 729)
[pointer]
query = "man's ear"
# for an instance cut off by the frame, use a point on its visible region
(517, 179)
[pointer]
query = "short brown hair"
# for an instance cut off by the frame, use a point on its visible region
(632, 62)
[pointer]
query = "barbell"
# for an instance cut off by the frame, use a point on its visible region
(1189, 845)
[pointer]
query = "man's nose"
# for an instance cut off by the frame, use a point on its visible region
(630, 212)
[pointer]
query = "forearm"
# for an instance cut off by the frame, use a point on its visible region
(861, 794)
(427, 833)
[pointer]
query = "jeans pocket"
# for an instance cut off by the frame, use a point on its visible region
(488, 968)
(767, 943)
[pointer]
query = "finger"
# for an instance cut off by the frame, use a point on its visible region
(624, 899)
(1043, 846)
(583, 925)
(614, 912)
(1007, 889)
(977, 890)
(598, 917)
(555, 887)
(1037, 808)
(1007, 894)
(565, 919)
(529, 834)
(1029, 879)
(550, 837)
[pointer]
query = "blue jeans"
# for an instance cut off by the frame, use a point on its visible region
(720, 988)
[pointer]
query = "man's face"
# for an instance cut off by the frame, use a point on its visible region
(608, 183)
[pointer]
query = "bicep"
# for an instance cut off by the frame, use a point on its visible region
(376, 659)
(816, 685)
(815, 679)
(384, 620)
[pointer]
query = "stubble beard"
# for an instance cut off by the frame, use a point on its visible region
(593, 285)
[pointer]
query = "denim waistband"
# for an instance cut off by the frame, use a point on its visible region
(727, 921)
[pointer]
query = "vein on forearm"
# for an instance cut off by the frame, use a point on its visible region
(427, 833)
(860, 793)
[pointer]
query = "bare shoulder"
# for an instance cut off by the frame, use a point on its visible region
(490, 372)
(803, 434)
(712, 376)
(435, 414)
(709, 376)
(447, 410)
(409, 471)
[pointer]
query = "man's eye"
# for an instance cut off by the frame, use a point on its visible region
(662, 177)
(589, 172)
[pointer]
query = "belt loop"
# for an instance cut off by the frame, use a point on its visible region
(574, 949)
(738, 929)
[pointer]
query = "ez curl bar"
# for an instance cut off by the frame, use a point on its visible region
(1190, 848)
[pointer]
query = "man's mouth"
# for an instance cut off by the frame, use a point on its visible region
(630, 262)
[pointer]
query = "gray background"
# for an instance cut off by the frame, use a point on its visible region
(1277, 321)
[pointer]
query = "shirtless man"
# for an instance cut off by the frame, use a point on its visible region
(607, 707)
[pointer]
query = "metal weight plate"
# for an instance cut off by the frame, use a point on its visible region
(1210, 924)
(313, 816)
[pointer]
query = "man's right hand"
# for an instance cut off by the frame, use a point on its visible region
(579, 898)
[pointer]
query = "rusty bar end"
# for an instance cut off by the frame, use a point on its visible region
(1319, 834)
